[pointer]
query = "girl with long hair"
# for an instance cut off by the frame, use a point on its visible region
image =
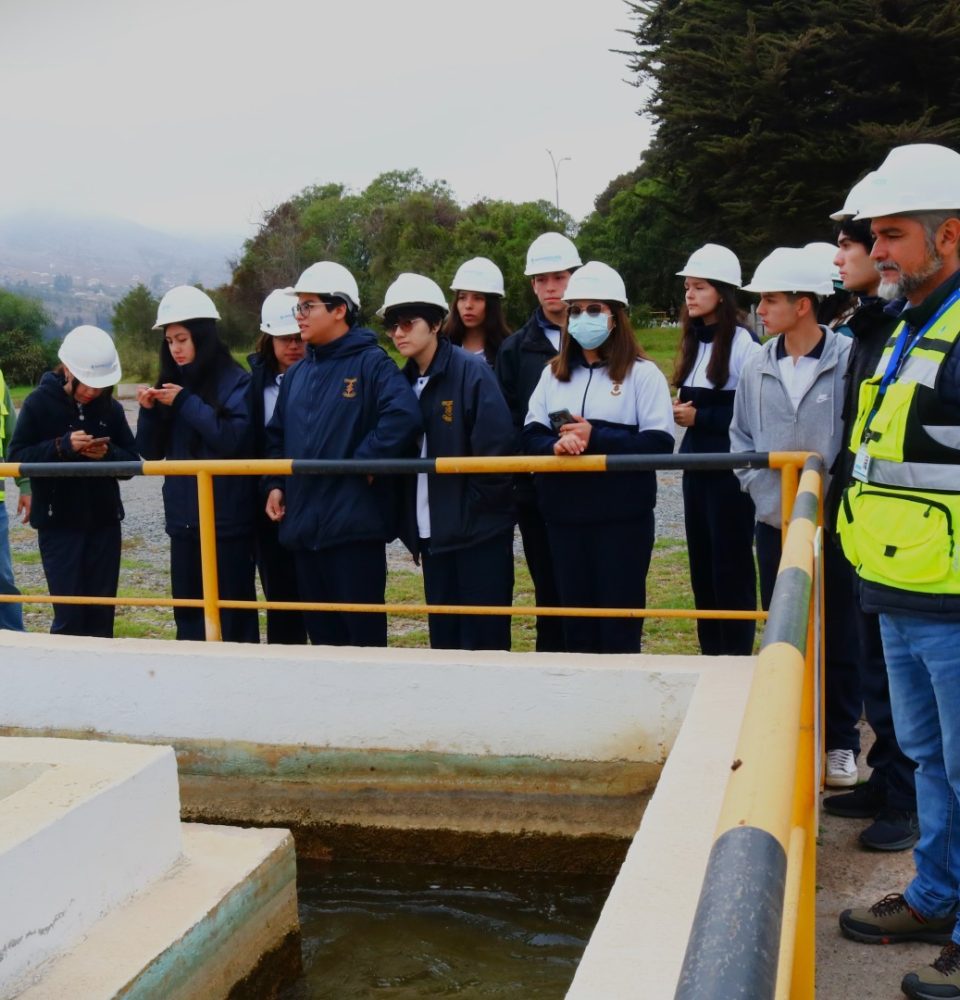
(714, 348)
(599, 395)
(475, 321)
(198, 409)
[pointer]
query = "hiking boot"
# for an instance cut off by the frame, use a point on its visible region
(841, 769)
(892, 830)
(893, 920)
(938, 980)
(864, 802)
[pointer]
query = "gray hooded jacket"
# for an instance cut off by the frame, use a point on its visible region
(764, 418)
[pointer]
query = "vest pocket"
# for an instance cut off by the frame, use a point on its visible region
(897, 537)
(889, 426)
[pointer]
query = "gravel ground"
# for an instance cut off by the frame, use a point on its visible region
(146, 544)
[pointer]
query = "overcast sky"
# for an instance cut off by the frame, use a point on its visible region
(198, 115)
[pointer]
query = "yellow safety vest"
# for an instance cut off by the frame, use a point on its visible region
(3, 428)
(899, 522)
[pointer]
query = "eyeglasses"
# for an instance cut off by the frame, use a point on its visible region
(405, 325)
(594, 309)
(290, 338)
(305, 308)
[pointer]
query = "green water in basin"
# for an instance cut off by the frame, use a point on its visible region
(406, 931)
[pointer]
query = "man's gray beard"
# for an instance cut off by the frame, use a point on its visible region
(906, 284)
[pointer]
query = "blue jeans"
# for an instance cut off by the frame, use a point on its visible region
(923, 664)
(11, 615)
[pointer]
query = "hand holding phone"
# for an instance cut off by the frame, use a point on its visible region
(560, 417)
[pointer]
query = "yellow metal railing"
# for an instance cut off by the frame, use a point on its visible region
(754, 932)
(204, 470)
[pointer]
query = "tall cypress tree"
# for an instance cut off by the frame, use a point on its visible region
(768, 113)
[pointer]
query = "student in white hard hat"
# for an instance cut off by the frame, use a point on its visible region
(837, 307)
(198, 408)
(72, 417)
(475, 321)
(599, 395)
(714, 347)
(790, 398)
(551, 260)
(278, 348)
(345, 400)
(461, 527)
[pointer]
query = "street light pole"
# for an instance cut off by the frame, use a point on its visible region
(556, 178)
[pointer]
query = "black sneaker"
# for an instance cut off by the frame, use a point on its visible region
(893, 920)
(864, 802)
(892, 830)
(939, 980)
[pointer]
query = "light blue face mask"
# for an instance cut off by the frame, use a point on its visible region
(589, 331)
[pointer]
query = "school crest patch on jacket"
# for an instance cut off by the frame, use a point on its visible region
(447, 405)
(349, 388)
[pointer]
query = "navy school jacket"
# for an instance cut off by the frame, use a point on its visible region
(464, 413)
(191, 428)
(44, 425)
(345, 399)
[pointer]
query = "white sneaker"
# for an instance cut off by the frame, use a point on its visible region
(841, 768)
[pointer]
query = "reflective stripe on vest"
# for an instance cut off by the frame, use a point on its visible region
(900, 524)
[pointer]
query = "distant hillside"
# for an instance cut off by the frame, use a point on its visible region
(81, 266)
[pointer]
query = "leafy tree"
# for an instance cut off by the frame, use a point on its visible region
(135, 314)
(767, 113)
(400, 222)
(24, 355)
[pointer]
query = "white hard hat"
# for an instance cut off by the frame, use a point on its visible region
(183, 303)
(91, 356)
(918, 178)
(857, 194)
(713, 263)
(596, 281)
(479, 274)
(551, 252)
(791, 269)
(276, 314)
(409, 289)
(328, 278)
(825, 252)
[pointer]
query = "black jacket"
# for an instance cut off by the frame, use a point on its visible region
(346, 399)
(191, 428)
(258, 381)
(463, 413)
(520, 363)
(42, 434)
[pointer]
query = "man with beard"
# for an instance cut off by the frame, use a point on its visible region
(900, 521)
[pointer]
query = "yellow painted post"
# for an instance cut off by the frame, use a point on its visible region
(208, 556)
(789, 481)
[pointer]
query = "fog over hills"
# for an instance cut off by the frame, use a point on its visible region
(68, 260)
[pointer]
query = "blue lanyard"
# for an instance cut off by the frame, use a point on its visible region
(906, 342)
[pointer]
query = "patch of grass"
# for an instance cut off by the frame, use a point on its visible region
(26, 558)
(660, 343)
(668, 586)
(18, 393)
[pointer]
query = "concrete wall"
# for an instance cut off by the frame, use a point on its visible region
(498, 704)
(83, 826)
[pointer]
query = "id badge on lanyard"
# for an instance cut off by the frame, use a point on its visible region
(861, 464)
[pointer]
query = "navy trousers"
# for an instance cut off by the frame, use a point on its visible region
(602, 565)
(843, 697)
(355, 573)
(719, 525)
(235, 578)
(477, 574)
(536, 550)
(82, 562)
(278, 575)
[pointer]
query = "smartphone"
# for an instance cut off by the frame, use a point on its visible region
(560, 417)
(105, 440)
